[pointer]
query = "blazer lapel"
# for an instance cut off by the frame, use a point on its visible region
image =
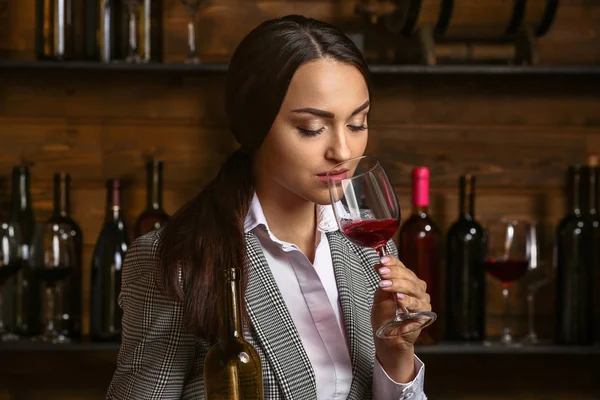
(274, 328)
(356, 287)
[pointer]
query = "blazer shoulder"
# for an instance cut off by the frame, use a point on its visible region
(142, 256)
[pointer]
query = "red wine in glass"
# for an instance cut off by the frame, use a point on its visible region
(370, 232)
(367, 212)
(507, 271)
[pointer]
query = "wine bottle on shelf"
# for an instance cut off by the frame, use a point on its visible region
(107, 263)
(26, 318)
(151, 28)
(574, 296)
(69, 289)
(465, 274)
(153, 216)
(104, 36)
(55, 29)
(420, 249)
(232, 368)
(592, 215)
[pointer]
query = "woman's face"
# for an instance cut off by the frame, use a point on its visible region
(322, 122)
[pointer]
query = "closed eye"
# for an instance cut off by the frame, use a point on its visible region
(355, 128)
(308, 132)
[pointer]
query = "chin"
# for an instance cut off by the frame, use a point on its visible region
(321, 197)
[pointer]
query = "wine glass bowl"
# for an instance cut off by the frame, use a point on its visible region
(367, 212)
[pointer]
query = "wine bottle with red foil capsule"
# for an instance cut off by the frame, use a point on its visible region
(420, 248)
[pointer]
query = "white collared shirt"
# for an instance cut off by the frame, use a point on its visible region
(310, 293)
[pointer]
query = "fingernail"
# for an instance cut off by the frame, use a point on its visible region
(385, 283)
(400, 296)
(384, 260)
(384, 271)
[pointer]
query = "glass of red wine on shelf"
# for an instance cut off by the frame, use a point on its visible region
(507, 259)
(10, 263)
(368, 214)
(52, 259)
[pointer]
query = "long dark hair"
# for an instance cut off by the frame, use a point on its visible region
(207, 234)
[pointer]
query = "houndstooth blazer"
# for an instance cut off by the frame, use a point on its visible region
(159, 359)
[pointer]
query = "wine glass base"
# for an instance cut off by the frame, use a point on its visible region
(194, 60)
(52, 337)
(405, 324)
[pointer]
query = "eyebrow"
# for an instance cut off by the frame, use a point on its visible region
(328, 114)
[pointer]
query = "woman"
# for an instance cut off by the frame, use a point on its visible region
(297, 100)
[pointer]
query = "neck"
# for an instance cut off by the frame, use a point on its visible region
(420, 210)
(231, 316)
(290, 217)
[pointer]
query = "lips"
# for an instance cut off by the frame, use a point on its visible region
(335, 175)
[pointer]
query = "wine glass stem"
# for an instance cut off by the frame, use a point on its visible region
(192, 39)
(2, 328)
(133, 40)
(506, 338)
(400, 310)
(50, 309)
(530, 311)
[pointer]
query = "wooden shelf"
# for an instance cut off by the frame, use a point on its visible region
(445, 348)
(376, 69)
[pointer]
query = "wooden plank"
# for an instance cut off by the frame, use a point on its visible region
(489, 100)
(113, 95)
(499, 156)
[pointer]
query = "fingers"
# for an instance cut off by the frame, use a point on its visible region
(397, 278)
(392, 268)
(412, 303)
(404, 286)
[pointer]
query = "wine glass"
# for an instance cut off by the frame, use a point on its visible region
(53, 257)
(133, 54)
(10, 262)
(192, 9)
(538, 275)
(507, 259)
(367, 212)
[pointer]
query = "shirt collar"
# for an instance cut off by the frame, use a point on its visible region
(325, 217)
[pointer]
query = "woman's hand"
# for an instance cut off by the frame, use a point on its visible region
(401, 285)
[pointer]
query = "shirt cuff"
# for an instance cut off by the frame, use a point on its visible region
(385, 388)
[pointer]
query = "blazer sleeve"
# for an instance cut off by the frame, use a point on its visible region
(158, 357)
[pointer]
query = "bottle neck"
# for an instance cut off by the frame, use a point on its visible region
(154, 185)
(420, 210)
(230, 313)
(113, 201)
(62, 201)
(466, 203)
(593, 187)
(21, 194)
(575, 188)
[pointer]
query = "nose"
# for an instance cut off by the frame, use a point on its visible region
(338, 149)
